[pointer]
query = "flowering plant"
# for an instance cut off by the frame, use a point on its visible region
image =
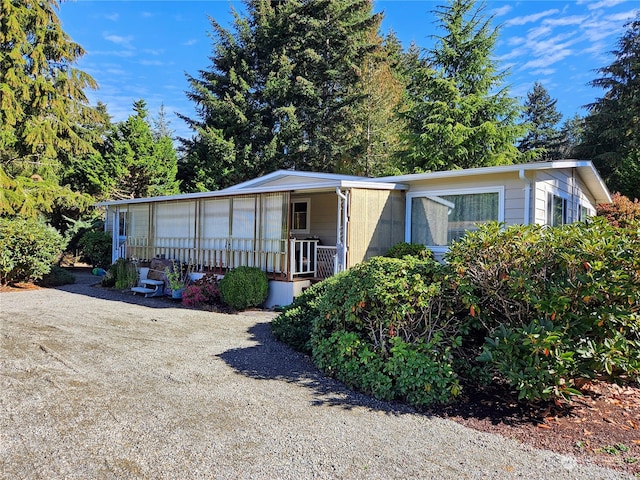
(202, 292)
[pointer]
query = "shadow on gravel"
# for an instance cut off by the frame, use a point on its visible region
(272, 360)
(90, 287)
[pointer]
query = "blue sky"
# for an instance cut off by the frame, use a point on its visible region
(142, 49)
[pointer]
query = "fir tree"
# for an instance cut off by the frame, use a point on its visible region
(543, 141)
(43, 108)
(461, 115)
(612, 128)
(284, 91)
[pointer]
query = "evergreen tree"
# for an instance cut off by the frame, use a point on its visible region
(543, 141)
(43, 108)
(612, 128)
(284, 91)
(140, 166)
(461, 115)
(571, 135)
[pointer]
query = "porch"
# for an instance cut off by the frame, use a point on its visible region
(281, 260)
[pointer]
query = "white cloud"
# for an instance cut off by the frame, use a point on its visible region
(564, 21)
(531, 18)
(190, 42)
(113, 17)
(499, 12)
(544, 72)
(547, 60)
(152, 63)
(603, 4)
(118, 39)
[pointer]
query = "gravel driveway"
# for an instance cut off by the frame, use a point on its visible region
(100, 385)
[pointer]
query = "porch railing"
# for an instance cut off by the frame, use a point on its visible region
(304, 257)
(326, 257)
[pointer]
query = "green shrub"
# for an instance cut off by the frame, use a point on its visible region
(28, 249)
(96, 248)
(244, 287)
(122, 274)
(56, 277)
(293, 325)
(402, 249)
(388, 327)
(553, 303)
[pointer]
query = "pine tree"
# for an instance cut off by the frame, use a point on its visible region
(284, 91)
(43, 108)
(612, 128)
(543, 141)
(571, 135)
(139, 165)
(461, 114)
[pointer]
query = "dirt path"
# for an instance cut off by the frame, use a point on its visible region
(97, 384)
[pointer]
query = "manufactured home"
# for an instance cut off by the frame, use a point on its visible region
(302, 226)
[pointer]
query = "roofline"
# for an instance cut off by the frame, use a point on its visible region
(227, 192)
(294, 173)
(589, 173)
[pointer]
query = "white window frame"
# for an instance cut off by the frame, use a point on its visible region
(438, 250)
(307, 201)
(551, 196)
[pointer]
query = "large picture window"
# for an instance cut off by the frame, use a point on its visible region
(438, 218)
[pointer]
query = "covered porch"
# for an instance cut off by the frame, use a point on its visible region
(276, 232)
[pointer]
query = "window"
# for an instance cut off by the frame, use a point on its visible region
(583, 213)
(438, 218)
(300, 215)
(556, 210)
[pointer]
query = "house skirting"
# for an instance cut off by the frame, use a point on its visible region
(282, 293)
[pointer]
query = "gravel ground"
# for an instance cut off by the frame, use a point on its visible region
(98, 384)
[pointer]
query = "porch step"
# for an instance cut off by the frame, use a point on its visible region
(144, 290)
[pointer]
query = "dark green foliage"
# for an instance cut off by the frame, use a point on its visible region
(122, 274)
(460, 113)
(285, 90)
(244, 287)
(57, 276)
(554, 303)
(403, 249)
(612, 131)
(388, 327)
(293, 326)
(28, 249)
(96, 248)
(544, 140)
(43, 108)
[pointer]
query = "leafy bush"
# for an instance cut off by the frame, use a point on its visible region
(202, 292)
(56, 277)
(28, 249)
(388, 327)
(121, 275)
(621, 212)
(403, 249)
(553, 303)
(96, 248)
(293, 326)
(244, 287)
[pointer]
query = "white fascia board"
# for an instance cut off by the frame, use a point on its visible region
(332, 177)
(300, 188)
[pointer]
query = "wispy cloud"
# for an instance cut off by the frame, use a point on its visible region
(152, 63)
(499, 12)
(119, 39)
(531, 18)
(191, 41)
(113, 17)
(602, 4)
(546, 60)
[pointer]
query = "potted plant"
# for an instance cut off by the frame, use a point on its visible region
(177, 278)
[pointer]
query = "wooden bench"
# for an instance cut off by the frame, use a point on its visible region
(152, 280)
